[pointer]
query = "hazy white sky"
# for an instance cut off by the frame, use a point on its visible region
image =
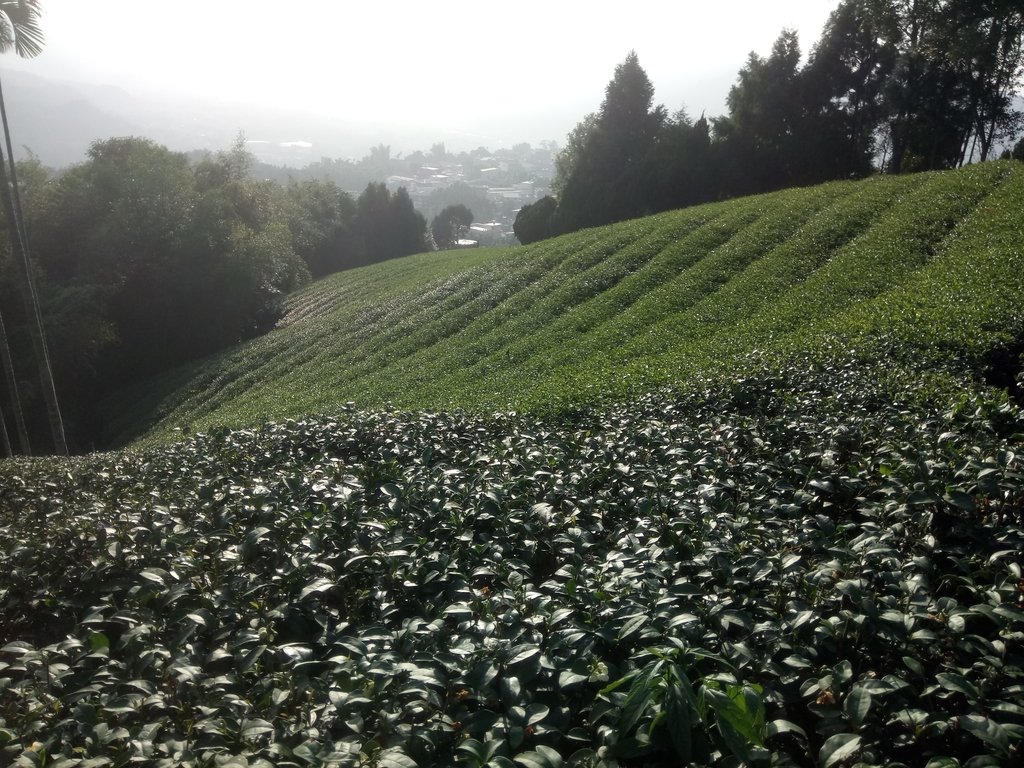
(535, 63)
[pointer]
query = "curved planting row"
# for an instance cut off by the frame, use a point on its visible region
(618, 309)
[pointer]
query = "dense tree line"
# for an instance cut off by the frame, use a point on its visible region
(144, 261)
(893, 85)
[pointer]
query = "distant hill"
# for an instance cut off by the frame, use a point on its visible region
(918, 275)
(58, 120)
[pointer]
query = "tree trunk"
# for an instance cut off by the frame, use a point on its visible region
(33, 316)
(5, 438)
(12, 388)
(895, 147)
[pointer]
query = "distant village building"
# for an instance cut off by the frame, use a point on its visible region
(494, 176)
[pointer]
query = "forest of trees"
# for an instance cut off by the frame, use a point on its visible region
(892, 86)
(144, 261)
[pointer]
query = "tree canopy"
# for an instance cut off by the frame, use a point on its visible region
(605, 180)
(388, 224)
(536, 221)
(147, 261)
(450, 225)
(892, 85)
(20, 29)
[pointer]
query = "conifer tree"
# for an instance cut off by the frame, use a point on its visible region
(607, 179)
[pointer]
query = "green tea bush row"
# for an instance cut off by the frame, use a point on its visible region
(785, 568)
(906, 271)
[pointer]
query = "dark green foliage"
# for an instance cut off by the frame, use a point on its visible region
(845, 79)
(409, 226)
(895, 86)
(388, 224)
(536, 221)
(791, 563)
(765, 130)
(323, 226)
(950, 95)
(568, 157)
(935, 81)
(332, 232)
(146, 263)
(450, 225)
(786, 127)
(606, 179)
(20, 30)
(685, 168)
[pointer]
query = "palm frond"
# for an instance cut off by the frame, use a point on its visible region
(19, 27)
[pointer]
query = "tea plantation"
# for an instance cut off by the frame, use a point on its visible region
(762, 504)
(925, 272)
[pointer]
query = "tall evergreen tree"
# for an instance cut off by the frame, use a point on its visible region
(373, 217)
(389, 225)
(607, 181)
(845, 78)
(569, 156)
(408, 227)
(767, 128)
(684, 165)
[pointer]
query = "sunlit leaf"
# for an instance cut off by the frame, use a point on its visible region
(838, 748)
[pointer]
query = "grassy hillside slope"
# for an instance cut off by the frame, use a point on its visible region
(795, 560)
(923, 272)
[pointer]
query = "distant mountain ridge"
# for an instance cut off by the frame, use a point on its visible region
(57, 120)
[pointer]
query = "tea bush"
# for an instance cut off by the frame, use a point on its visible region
(791, 567)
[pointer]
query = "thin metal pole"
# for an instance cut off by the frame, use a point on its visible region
(12, 388)
(17, 231)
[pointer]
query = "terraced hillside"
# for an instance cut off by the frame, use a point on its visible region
(806, 553)
(923, 272)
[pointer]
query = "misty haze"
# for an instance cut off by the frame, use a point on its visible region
(527, 385)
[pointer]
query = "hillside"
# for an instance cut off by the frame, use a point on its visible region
(805, 550)
(922, 272)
